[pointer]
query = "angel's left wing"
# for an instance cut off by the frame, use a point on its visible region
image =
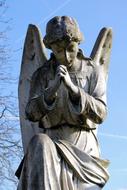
(102, 49)
(34, 57)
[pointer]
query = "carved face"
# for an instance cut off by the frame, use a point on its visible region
(65, 52)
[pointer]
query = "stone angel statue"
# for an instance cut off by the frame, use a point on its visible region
(61, 101)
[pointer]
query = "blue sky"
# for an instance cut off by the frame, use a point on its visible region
(91, 15)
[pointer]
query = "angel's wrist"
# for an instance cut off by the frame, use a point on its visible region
(74, 90)
(74, 95)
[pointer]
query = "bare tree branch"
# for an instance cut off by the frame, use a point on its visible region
(10, 143)
(2, 114)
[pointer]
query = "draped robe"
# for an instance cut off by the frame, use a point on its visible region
(65, 156)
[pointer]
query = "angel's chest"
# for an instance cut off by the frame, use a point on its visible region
(81, 79)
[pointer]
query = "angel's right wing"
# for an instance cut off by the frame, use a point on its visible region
(34, 57)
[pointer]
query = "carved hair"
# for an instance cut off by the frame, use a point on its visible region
(59, 28)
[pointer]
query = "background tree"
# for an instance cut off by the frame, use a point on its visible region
(10, 148)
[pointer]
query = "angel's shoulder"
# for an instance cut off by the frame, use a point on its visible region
(93, 70)
(87, 65)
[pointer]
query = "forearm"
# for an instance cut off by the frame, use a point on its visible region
(88, 106)
(74, 92)
(51, 91)
(33, 110)
(95, 109)
(37, 108)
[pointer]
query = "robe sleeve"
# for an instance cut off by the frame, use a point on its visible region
(92, 104)
(37, 107)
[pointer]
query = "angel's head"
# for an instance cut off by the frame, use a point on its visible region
(62, 27)
(63, 37)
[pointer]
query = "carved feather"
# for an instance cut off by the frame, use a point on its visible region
(34, 56)
(102, 49)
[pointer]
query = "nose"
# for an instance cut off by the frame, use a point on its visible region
(66, 54)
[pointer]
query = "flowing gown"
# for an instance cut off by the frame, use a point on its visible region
(65, 156)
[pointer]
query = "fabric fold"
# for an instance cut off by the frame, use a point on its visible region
(86, 167)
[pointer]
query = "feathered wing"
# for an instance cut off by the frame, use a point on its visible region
(101, 50)
(34, 57)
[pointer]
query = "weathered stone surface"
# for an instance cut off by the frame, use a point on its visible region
(61, 105)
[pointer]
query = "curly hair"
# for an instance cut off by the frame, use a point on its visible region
(62, 27)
